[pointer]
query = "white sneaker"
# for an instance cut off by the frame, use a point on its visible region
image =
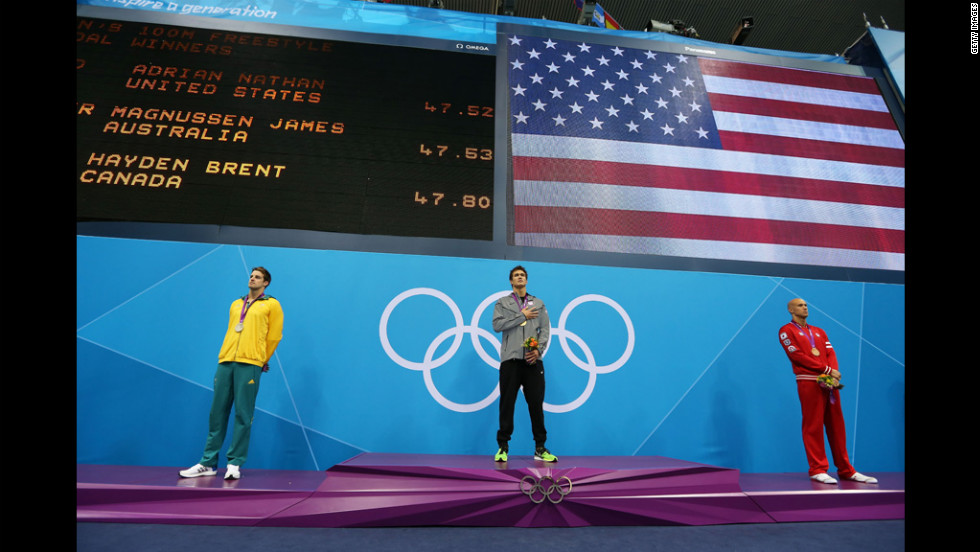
(861, 478)
(823, 478)
(233, 472)
(197, 470)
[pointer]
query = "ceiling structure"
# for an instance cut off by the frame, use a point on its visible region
(808, 26)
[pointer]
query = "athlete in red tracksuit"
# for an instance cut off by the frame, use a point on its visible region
(811, 354)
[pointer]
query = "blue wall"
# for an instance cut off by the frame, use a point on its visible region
(703, 379)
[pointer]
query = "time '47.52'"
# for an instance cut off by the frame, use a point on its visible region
(469, 110)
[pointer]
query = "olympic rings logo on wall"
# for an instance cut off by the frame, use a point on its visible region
(545, 487)
(562, 333)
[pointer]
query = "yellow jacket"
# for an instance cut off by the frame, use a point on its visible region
(260, 335)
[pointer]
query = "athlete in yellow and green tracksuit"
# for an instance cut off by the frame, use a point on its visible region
(254, 331)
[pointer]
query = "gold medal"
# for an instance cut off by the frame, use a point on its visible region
(524, 323)
(815, 351)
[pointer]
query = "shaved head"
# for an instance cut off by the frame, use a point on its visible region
(799, 309)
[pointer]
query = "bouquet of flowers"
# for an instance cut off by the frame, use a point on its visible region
(829, 383)
(531, 343)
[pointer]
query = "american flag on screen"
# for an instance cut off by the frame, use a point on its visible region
(637, 151)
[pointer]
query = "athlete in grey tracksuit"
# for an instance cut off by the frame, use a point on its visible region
(520, 316)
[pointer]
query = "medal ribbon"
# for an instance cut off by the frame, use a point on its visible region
(247, 305)
(520, 306)
(813, 343)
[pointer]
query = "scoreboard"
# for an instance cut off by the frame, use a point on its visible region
(202, 126)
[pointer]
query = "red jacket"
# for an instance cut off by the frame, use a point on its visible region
(797, 346)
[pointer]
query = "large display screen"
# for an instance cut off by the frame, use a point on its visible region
(489, 137)
(644, 151)
(190, 125)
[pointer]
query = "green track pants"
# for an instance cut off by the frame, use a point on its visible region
(235, 384)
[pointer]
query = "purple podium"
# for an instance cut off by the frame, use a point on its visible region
(400, 490)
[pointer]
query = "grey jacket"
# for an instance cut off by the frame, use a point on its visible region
(507, 318)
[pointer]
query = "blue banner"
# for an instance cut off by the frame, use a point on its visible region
(391, 19)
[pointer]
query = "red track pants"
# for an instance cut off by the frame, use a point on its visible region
(819, 412)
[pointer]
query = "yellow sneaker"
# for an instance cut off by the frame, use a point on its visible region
(544, 455)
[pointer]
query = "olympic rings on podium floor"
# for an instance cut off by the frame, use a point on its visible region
(538, 489)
